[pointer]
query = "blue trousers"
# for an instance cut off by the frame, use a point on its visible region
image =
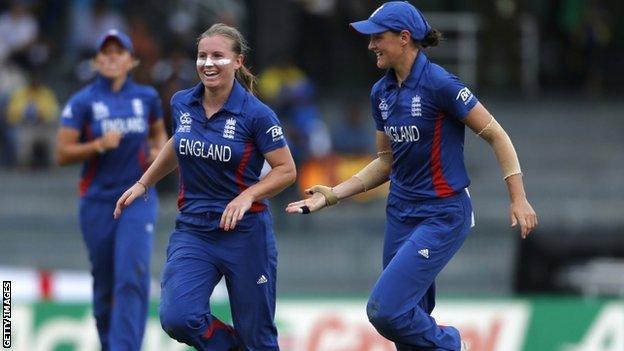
(119, 252)
(420, 240)
(198, 255)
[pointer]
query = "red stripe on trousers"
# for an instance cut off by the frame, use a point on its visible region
(441, 186)
(240, 180)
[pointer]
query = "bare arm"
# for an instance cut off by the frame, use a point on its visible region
(165, 163)
(282, 175)
(484, 124)
(377, 172)
(156, 139)
(71, 150)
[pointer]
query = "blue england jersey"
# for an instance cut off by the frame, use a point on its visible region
(423, 120)
(222, 156)
(95, 110)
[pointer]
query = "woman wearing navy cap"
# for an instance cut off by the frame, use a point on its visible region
(222, 136)
(114, 127)
(420, 111)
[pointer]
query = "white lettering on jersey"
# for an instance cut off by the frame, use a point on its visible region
(124, 125)
(137, 107)
(402, 134)
(229, 129)
(276, 133)
(416, 107)
(201, 149)
(100, 110)
(383, 107)
(465, 95)
(67, 112)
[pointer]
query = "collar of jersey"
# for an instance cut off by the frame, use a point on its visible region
(234, 103)
(105, 84)
(415, 73)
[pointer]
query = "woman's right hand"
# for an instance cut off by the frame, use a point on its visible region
(128, 197)
(110, 140)
(317, 201)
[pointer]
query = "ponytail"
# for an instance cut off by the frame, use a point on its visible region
(239, 45)
(432, 38)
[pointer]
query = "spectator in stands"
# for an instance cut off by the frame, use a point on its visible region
(33, 111)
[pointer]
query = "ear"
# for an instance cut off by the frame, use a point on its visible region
(405, 36)
(238, 62)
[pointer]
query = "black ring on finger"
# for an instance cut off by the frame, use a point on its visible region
(305, 209)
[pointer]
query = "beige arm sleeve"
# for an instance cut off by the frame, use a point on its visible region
(377, 172)
(506, 155)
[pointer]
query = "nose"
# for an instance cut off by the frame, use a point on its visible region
(371, 46)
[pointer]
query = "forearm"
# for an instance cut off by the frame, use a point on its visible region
(515, 188)
(165, 163)
(78, 152)
(377, 172)
(278, 179)
(503, 148)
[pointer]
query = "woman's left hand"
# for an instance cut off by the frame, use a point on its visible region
(235, 211)
(522, 213)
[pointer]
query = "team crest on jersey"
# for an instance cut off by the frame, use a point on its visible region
(185, 123)
(276, 133)
(229, 128)
(137, 107)
(100, 110)
(416, 107)
(465, 95)
(383, 107)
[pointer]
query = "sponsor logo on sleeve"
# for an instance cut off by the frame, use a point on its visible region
(276, 133)
(465, 95)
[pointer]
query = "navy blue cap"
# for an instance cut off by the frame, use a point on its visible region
(120, 36)
(396, 16)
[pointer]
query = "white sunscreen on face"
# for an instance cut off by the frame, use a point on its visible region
(208, 62)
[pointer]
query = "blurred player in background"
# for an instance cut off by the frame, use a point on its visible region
(222, 136)
(114, 126)
(420, 111)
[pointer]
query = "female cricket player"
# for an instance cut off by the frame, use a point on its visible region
(114, 126)
(420, 111)
(222, 136)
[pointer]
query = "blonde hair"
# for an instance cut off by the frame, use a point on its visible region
(239, 46)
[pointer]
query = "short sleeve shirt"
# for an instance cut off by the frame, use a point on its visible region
(95, 110)
(221, 156)
(423, 120)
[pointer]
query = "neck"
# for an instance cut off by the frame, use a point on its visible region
(117, 83)
(214, 98)
(403, 68)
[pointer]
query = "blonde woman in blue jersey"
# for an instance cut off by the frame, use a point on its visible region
(222, 136)
(114, 127)
(420, 111)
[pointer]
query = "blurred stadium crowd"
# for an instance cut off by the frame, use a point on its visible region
(312, 71)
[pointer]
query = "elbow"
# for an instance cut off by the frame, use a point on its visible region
(291, 175)
(62, 159)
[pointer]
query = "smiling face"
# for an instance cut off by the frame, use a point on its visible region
(114, 61)
(389, 47)
(217, 62)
